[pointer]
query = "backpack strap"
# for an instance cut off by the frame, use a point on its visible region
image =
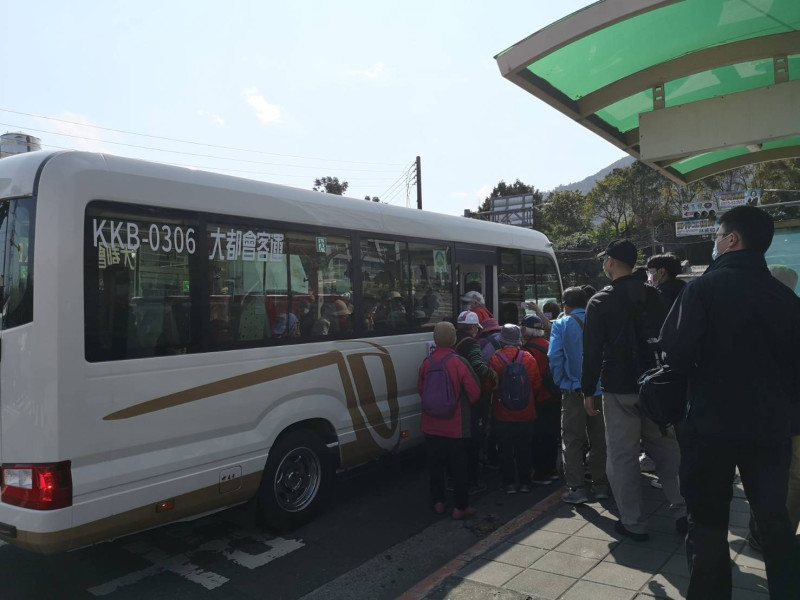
(519, 357)
(577, 319)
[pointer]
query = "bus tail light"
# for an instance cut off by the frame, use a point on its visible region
(38, 487)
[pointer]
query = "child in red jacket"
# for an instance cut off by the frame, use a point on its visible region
(447, 433)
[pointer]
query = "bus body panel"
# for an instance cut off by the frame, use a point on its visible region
(142, 431)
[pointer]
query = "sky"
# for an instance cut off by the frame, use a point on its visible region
(288, 92)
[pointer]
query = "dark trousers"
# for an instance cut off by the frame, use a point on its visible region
(478, 415)
(546, 434)
(707, 471)
(448, 453)
(514, 442)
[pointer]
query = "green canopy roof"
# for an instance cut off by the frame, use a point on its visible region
(690, 87)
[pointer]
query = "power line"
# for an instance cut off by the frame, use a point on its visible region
(399, 179)
(158, 137)
(241, 160)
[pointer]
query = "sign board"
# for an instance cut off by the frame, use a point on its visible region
(322, 245)
(440, 263)
(728, 200)
(695, 227)
(699, 210)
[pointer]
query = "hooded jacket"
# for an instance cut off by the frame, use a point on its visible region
(742, 387)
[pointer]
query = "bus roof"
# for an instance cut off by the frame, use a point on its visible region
(19, 176)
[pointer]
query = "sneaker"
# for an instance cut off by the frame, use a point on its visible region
(475, 488)
(636, 537)
(547, 481)
(524, 489)
(656, 483)
(600, 491)
(646, 464)
(575, 496)
(438, 508)
(463, 514)
(510, 488)
(682, 525)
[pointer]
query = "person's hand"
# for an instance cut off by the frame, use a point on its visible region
(588, 404)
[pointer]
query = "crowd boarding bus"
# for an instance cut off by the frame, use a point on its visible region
(174, 342)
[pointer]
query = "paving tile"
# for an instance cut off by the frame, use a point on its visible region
(539, 539)
(667, 586)
(666, 542)
(618, 575)
(564, 564)
(596, 591)
(564, 525)
(740, 505)
(661, 523)
(740, 594)
(515, 554)
(750, 558)
(676, 565)
(750, 579)
(601, 530)
(540, 584)
(489, 572)
(630, 554)
(586, 547)
(738, 534)
(455, 588)
(739, 519)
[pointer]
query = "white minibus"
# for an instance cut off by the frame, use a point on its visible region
(174, 342)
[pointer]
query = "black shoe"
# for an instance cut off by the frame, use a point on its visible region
(636, 537)
(682, 525)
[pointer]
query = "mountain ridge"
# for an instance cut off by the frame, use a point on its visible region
(585, 185)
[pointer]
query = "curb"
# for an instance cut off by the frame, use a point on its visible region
(424, 587)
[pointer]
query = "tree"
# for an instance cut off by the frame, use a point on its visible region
(330, 185)
(372, 198)
(611, 200)
(563, 214)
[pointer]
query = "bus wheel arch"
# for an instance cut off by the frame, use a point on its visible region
(298, 475)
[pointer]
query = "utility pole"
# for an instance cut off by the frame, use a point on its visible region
(419, 184)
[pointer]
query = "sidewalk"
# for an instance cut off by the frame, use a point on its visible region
(573, 553)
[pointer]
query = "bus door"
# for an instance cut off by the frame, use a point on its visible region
(476, 268)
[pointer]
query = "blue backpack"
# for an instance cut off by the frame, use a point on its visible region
(438, 398)
(515, 387)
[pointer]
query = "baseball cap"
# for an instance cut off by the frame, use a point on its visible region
(621, 250)
(469, 318)
(533, 322)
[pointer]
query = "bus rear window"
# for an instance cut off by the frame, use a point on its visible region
(17, 219)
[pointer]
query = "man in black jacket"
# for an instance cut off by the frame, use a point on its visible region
(740, 401)
(663, 270)
(619, 320)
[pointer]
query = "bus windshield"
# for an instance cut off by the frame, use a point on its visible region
(16, 261)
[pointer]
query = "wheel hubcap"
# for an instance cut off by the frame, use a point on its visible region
(297, 479)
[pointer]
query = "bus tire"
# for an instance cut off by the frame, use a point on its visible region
(296, 480)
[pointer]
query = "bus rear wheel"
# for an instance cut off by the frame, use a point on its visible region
(296, 480)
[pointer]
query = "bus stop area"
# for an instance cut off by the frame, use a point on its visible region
(690, 88)
(559, 551)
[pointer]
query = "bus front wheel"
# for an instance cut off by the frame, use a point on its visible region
(296, 480)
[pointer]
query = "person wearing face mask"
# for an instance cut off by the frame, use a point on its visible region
(663, 271)
(739, 407)
(621, 320)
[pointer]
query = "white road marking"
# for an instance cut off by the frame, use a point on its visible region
(181, 564)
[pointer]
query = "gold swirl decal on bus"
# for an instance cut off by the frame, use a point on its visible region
(358, 391)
